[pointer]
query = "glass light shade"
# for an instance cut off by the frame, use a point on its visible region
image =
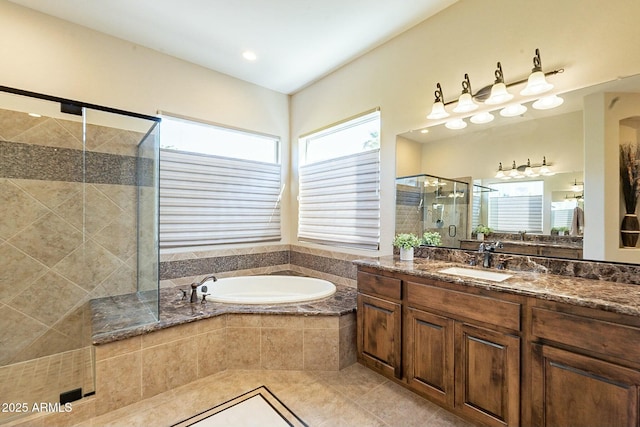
(499, 95)
(529, 172)
(576, 188)
(513, 173)
(513, 110)
(536, 84)
(548, 102)
(482, 118)
(438, 111)
(465, 104)
(456, 124)
(546, 171)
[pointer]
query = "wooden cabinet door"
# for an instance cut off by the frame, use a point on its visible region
(575, 390)
(429, 355)
(379, 334)
(487, 375)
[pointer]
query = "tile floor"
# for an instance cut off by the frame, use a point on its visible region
(354, 396)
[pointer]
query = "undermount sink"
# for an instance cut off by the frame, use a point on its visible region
(476, 274)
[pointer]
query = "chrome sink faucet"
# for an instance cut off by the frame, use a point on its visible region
(194, 287)
(486, 249)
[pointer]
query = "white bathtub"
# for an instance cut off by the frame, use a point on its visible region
(270, 289)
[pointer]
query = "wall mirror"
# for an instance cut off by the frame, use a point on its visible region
(474, 155)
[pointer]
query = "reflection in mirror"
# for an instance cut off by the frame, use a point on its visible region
(555, 136)
(427, 203)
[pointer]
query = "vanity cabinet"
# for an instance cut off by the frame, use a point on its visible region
(379, 320)
(463, 351)
(585, 368)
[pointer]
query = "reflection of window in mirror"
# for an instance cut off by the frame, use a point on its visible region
(516, 206)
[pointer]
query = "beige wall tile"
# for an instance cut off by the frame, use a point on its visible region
(118, 382)
(118, 348)
(212, 352)
(244, 320)
(211, 324)
(167, 335)
(348, 351)
(170, 365)
(281, 348)
(321, 322)
(321, 349)
(282, 321)
(243, 348)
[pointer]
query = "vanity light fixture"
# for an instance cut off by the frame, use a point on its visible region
(537, 81)
(499, 92)
(496, 94)
(525, 171)
(438, 111)
(466, 103)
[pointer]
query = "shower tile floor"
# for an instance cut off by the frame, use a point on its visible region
(354, 396)
(43, 379)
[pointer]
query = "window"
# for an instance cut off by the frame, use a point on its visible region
(516, 206)
(217, 185)
(339, 200)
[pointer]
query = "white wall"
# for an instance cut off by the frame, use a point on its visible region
(43, 54)
(592, 41)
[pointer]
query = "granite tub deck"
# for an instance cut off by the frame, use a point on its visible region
(604, 295)
(125, 316)
(137, 358)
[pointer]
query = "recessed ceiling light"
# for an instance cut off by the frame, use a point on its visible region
(35, 115)
(249, 56)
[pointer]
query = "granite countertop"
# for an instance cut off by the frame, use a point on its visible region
(599, 294)
(125, 316)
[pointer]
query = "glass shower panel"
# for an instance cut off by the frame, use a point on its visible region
(122, 174)
(45, 347)
(434, 204)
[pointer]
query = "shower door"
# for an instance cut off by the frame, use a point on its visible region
(69, 184)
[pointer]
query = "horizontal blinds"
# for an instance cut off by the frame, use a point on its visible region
(209, 200)
(339, 201)
(516, 213)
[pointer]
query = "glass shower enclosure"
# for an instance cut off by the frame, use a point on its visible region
(79, 209)
(427, 203)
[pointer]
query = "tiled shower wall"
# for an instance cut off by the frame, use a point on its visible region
(62, 241)
(409, 212)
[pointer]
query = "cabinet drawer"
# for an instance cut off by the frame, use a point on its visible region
(586, 333)
(480, 308)
(379, 285)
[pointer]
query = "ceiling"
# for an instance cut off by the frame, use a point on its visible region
(296, 41)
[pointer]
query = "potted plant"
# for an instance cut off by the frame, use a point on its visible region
(482, 232)
(432, 238)
(406, 242)
(630, 184)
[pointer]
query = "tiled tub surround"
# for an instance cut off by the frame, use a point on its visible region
(185, 268)
(195, 340)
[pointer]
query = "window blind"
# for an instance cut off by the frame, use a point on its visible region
(209, 200)
(516, 213)
(339, 201)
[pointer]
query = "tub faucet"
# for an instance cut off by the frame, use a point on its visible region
(194, 287)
